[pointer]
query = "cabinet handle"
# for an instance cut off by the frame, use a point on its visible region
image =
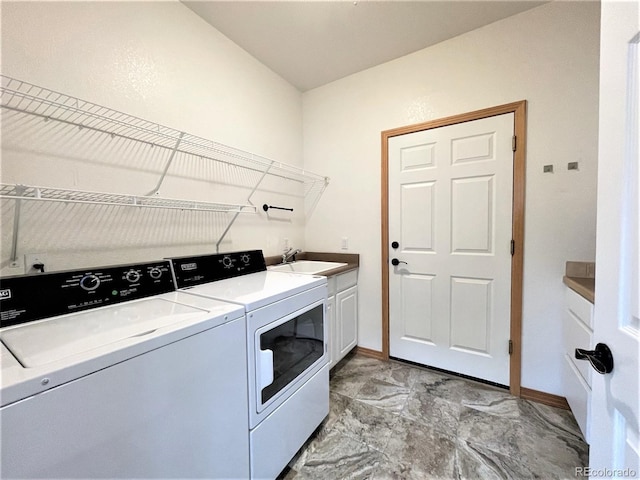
(601, 359)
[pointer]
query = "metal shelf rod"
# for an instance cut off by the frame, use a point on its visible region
(129, 127)
(175, 150)
(44, 194)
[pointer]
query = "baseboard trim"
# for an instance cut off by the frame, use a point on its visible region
(545, 398)
(367, 352)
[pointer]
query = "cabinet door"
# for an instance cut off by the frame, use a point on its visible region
(332, 339)
(346, 320)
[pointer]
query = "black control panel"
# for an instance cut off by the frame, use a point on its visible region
(190, 271)
(31, 297)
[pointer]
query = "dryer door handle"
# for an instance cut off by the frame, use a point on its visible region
(265, 368)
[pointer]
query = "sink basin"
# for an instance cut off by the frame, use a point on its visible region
(306, 266)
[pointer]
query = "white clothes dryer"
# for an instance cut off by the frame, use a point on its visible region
(287, 348)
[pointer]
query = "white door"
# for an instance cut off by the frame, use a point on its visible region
(450, 212)
(615, 402)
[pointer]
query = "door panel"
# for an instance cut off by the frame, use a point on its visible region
(417, 224)
(472, 228)
(471, 313)
(417, 299)
(417, 157)
(615, 402)
(473, 148)
(450, 209)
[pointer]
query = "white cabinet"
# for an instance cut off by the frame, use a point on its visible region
(578, 333)
(346, 321)
(342, 314)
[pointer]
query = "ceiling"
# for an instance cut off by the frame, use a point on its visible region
(311, 43)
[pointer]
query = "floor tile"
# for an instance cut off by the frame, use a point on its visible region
(475, 461)
(359, 366)
(347, 385)
(391, 420)
(337, 405)
(371, 425)
(396, 374)
(561, 421)
(426, 409)
(339, 457)
(388, 470)
(549, 454)
(422, 450)
(384, 395)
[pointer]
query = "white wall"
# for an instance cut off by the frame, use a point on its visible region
(161, 62)
(548, 56)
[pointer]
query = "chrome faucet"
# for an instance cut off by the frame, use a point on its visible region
(289, 254)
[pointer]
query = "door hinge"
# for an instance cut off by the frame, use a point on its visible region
(510, 347)
(513, 143)
(513, 247)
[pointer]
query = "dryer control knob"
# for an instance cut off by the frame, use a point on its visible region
(155, 273)
(89, 282)
(227, 262)
(132, 276)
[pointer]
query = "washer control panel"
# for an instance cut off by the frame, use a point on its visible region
(26, 298)
(190, 271)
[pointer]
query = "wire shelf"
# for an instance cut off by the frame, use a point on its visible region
(25, 192)
(19, 96)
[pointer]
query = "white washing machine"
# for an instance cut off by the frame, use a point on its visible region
(110, 373)
(287, 348)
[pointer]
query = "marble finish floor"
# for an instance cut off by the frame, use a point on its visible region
(390, 420)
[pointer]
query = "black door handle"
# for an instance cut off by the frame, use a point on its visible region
(601, 359)
(395, 262)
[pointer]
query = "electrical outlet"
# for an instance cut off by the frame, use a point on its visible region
(286, 245)
(31, 259)
(344, 244)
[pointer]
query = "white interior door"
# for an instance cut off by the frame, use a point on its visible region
(615, 407)
(450, 212)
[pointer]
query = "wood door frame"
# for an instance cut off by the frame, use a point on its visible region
(519, 109)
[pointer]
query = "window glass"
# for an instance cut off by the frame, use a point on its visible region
(296, 345)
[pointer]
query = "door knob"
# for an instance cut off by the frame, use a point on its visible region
(601, 358)
(395, 262)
